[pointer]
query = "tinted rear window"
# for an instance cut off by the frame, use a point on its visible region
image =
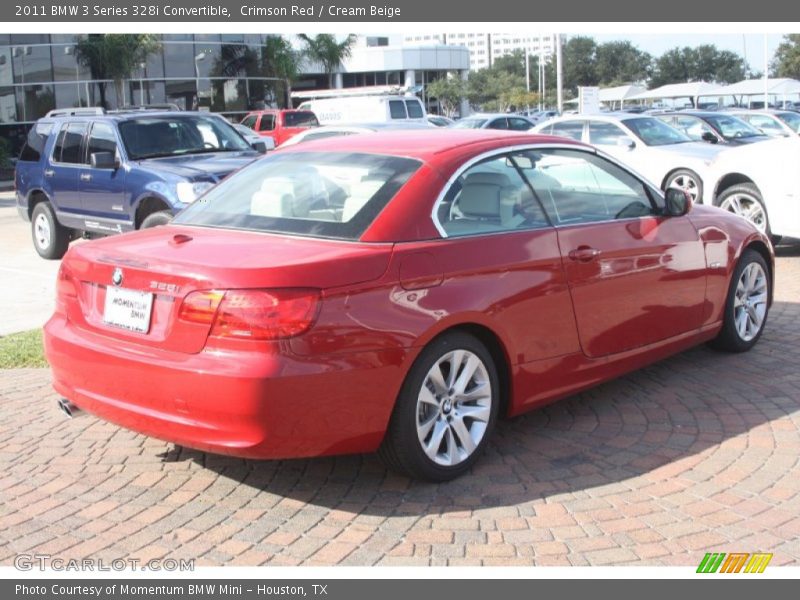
(300, 119)
(34, 145)
(397, 110)
(320, 194)
(414, 109)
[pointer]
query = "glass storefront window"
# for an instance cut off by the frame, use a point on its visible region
(71, 95)
(6, 73)
(182, 93)
(179, 59)
(31, 63)
(34, 101)
(65, 67)
(8, 105)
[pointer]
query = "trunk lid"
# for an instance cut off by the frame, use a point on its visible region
(171, 262)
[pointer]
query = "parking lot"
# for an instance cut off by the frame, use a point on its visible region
(697, 453)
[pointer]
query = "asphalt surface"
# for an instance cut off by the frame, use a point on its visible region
(697, 453)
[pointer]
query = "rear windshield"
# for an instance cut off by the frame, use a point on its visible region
(320, 194)
(300, 119)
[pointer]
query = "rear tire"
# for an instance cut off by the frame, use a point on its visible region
(446, 410)
(50, 238)
(747, 305)
(156, 219)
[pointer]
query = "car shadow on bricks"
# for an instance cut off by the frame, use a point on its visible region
(700, 418)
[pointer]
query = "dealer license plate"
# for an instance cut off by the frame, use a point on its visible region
(128, 309)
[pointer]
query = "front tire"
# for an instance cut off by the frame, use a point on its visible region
(746, 306)
(745, 200)
(50, 238)
(688, 181)
(156, 219)
(446, 410)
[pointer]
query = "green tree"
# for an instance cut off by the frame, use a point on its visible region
(579, 56)
(114, 56)
(621, 62)
(786, 62)
(324, 49)
(448, 91)
(704, 63)
(279, 59)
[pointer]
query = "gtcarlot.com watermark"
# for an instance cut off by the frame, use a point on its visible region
(42, 562)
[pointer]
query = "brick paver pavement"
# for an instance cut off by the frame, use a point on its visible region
(696, 453)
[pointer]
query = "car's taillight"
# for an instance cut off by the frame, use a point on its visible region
(253, 314)
(201, 307)
(66, 288)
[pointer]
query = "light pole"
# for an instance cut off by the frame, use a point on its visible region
(142, 67)
(559, 93)
(197, 59)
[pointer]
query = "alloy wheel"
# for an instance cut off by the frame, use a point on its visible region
(688, 184)
(750, 302)
(748, 207)
(454, 407)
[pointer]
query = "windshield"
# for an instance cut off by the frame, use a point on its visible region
(304, 118)
(152, 137)
(791, 119)
(321, 194)
(731, 127)
(470, 123)
(654, 132)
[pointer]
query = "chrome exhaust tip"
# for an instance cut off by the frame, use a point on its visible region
(68, 408)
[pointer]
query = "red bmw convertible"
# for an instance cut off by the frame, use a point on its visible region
(397, 292)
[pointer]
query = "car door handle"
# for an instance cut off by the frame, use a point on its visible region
(49, 173)
(86, 176)
(584, 254)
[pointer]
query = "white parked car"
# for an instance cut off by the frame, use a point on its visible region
(760, 182)
(327, 131)
(494, 121)
(775, 123)
(660, 153)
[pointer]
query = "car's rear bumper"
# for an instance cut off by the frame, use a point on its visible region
(252, 404)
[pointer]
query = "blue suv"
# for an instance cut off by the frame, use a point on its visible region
(87, 172)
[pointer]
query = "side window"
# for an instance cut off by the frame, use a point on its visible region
(518, 124)
(499, 124)
(414, 109)
(102, 139)
(568, 129)
(267, 123)
(767, 124)
(250, 122)
(69, 144)
(37, 138)
(581, 187)
(693, 127)
(490, 197)
(397, 109)
(605, 134)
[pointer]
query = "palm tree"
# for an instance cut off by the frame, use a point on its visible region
(324, 49)
(279, 59)
(114, 56)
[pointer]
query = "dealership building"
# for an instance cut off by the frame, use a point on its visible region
(217, 72)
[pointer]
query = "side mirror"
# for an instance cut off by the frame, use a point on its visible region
(264, 145)
(104, 160)
(626, 143)
(709, 137)
(678, 202)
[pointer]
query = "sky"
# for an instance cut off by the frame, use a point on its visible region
(657, 44)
